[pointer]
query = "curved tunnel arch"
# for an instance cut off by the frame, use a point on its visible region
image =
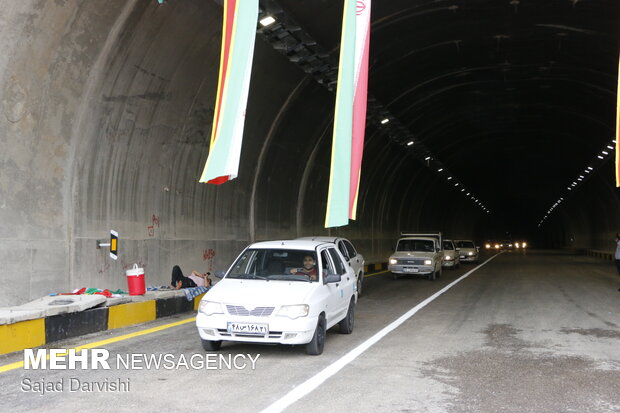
(107, 119)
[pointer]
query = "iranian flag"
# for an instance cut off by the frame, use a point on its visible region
(238, 35)
(350, 114)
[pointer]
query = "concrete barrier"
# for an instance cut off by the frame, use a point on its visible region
(28, 328)
(606, 255)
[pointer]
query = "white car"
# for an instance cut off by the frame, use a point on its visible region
(451, 257)
(417, 254)
(468, 250)
(350, 254)
(273, 294)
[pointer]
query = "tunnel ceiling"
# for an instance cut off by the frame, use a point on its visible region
(515, 97)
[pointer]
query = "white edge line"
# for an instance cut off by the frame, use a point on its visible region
(313, 382)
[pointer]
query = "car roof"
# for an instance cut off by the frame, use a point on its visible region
(287, 244)
(320, 238)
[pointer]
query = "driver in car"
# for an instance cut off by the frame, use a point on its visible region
(308, 269)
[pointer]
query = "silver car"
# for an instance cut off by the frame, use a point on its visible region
(468, 250)
(350, 254)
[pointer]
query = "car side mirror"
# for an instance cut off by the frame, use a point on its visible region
(220, 274)
(437, 250)
(332, 278)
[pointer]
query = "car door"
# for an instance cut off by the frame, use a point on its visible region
(356, 259)
(332, 297)
(347, 283)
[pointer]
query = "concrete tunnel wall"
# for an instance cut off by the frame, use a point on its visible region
(107, 110)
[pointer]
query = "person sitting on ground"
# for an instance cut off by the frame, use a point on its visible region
(308, 269)
(195, 279)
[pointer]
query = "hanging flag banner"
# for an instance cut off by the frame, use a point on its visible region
(618, 130)
(340, 174)
(362, 45)
(238, 35)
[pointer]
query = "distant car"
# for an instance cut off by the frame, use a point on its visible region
(451, 257)
(350, 254)
(273, 294)
(468, 250)
(417, 254)
(492, 245)
(521, 245)
(506, 245)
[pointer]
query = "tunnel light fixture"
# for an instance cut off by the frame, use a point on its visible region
(609, 147)
(456, 184)
(600, 157)
(409, 143)
(384, 121)
(267, 20)
(590, 168)
(604, 152)
(440, 169)
(449, 178)
(427, 158)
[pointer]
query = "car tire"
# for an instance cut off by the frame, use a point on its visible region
(360, 282)
(432, 276)
(346, 325)
(210, 345)
(316, 345)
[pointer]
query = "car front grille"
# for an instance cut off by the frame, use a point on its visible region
(240, 310)
(411, 262)
(272, 334)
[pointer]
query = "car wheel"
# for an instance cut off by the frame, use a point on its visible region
(315, 346)
(360, 281)
(346, 325)
(210, 345)
(432, 276)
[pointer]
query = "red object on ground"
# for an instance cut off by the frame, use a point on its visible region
(135, 280)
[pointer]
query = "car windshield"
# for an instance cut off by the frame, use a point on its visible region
(465, 244)
(420, 245)
(447, 245)
(275, 264)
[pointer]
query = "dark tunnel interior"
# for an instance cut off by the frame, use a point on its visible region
(108, 109)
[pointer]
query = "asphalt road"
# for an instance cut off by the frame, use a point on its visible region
(535, 332)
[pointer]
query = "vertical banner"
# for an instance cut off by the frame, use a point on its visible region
(238, 35)
(362, 44)
(618, 129)
(340, 174)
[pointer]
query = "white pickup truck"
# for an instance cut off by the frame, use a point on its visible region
(417, 254)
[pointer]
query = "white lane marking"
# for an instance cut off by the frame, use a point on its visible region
(312, 383)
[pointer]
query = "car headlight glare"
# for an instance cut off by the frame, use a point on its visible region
(487, 246)
(393, 261)
(524, 244)
(210, 308)
(428, 262)
(448, 257)
(294, 311)
(470, 253)
(496, 245)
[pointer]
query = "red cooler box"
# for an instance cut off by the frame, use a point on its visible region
(135, 280)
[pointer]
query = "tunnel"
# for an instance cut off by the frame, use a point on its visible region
(108, 108)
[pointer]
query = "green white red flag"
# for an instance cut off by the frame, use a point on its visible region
(238, 35)
(350, 114)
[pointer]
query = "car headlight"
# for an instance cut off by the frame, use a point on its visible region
(496, 245)
(428, 262)
(487, 246)
(448, 257)
(517, 245)
(210, 308)
(393, 261)
(294, 311)
(470, 253)
(524, 244)
(510, 245)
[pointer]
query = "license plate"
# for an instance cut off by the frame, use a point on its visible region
(409, 269)
(462, 256)
(248, 328)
